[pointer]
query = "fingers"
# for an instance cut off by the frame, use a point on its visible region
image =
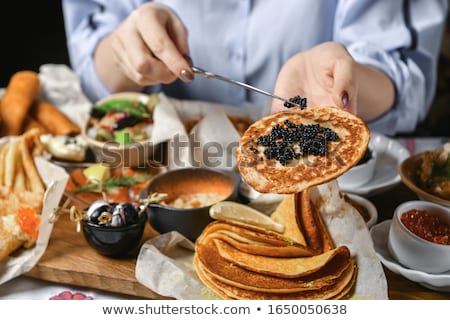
(344, 90)
(150, 46)
(140, 65)
(325, 75)
(166, 37)
(289, 82)
(167, 52)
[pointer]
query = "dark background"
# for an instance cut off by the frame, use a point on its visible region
(32, 34)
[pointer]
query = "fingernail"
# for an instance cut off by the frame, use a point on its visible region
(186, 75)
(345, 99)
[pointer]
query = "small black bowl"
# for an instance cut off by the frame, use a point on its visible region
(114, 241)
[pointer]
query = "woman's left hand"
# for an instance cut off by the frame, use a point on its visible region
(325, 75)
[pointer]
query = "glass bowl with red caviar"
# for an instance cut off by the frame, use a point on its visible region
(419, 236)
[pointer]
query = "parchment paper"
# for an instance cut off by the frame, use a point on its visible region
(165, 266)
(61, 87)
(212, 142)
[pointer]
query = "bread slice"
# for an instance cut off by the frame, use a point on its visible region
(269, 175)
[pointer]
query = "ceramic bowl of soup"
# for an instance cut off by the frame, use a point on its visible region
(190, 193)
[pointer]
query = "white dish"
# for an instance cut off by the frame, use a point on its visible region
(437, 282)
(390, 153)
(370, 207)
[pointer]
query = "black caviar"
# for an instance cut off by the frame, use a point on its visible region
(297, 100)
(292, 141)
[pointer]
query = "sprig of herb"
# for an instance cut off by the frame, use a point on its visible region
(114, 182)
(442, 170)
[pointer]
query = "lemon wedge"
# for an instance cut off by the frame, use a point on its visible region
(97, 172)
(229, 210)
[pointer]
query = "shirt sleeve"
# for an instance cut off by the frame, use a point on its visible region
(401, 38)
(86, 23)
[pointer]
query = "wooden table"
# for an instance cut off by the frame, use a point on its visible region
(69, 260)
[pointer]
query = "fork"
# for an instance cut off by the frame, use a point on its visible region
(211, 75)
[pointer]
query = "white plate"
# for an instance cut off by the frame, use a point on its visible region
(437, 282)
(371, 209)
(391, 153)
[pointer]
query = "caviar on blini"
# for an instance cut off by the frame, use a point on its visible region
(291, 141)
(297, 100)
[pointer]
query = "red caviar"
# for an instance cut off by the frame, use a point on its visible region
(427, 226)
(29, 221)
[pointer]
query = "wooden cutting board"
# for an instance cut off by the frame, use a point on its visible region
(70, 260)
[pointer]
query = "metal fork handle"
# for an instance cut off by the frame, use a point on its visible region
(211, 75)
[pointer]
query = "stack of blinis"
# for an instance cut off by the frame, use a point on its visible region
(242, 261)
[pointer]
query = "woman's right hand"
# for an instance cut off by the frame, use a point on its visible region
(149, 47)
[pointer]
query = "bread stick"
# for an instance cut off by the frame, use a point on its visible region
(26, 147)
(31, 123)
(21, 92)
(53, 119)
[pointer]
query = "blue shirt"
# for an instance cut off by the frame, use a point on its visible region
(249, 40)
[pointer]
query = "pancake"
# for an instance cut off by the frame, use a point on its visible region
(315, 161)
(213, 264)
(286, 214)
(281, 267)
(255, 240)
(316, 233)
(237, 260)
(261, 248)
(339, 289)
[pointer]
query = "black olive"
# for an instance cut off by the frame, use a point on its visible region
(126, 122)
(127, 212)
(96, 209)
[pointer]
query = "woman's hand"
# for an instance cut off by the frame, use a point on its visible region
(327, 75)
(149, 47)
